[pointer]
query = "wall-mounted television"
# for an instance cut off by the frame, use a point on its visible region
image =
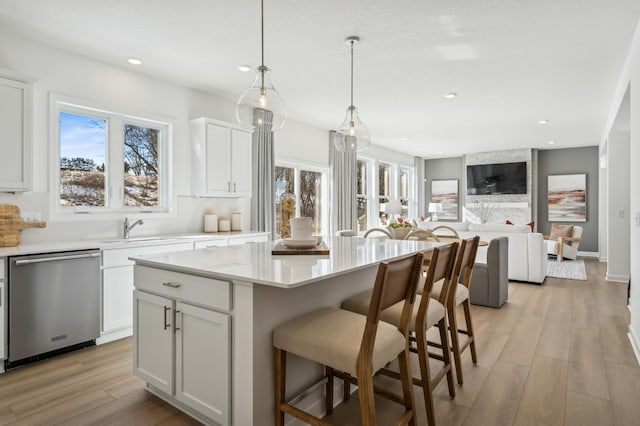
(500, 178)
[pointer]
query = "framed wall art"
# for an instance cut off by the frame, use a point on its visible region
(446, 193)
(567, 198)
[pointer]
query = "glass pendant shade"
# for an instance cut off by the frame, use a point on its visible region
(261, 96)
(354, 136)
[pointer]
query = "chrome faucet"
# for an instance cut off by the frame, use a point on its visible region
(128, 228)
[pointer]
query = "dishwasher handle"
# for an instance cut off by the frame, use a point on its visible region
(56, 258)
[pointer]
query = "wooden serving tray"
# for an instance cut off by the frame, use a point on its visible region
(280, 248)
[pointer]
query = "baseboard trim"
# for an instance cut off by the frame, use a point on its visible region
(634, 344)
(589, 254)
(617, 278)
(114, 335)
(313, 402)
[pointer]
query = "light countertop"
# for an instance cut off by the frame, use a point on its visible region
(116, 243)
(254, 262)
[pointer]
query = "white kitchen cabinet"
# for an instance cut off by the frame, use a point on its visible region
(117, 303)
(153, 355)
(3, 314)
(203, 347)
(117, 287)
(174, 338)
(223, 242)
(248, 239)
(16, 124)
(221, 159)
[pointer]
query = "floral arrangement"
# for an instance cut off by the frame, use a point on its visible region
(401, 223)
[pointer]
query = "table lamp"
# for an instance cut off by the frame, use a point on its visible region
(434, 209)
(393, 207)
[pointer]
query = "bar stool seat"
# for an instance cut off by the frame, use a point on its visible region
(332, 337)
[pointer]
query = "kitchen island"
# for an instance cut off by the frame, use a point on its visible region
(203, 321)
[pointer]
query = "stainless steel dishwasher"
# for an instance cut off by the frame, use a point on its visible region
(54, 303)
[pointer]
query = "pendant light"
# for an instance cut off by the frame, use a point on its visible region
(354, 136)
(261, 104)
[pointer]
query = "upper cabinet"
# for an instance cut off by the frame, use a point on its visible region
(15, 132)
(221, 159)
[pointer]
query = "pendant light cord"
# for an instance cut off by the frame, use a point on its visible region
(262, 42)
(352, 79)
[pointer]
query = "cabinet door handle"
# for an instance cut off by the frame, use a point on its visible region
(228, 186)
(172, 285)
(175, 320)
(234, 187)
(166, 308)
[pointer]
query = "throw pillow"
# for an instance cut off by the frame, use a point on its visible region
(558, 231)
(531, 224)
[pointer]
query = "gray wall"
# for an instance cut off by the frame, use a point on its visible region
(445, 168)
(571, 161)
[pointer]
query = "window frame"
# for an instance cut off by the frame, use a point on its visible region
(114, 161)
(297, 166)
(373, 188)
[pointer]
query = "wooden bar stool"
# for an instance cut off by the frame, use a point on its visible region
(459, 295)
(354, 346)
(429, 313)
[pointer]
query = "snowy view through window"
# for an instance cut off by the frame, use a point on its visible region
(85, 167)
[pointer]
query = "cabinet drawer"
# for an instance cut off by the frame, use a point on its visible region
(120, 257)
(208, 292)
(1, 268)
(247, 240)
(210, 243)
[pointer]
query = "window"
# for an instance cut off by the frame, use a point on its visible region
(362, 182)
(378, 183)
(300, 192)
(109, 162)
(405, 189)
(285, 204)
(384, 191)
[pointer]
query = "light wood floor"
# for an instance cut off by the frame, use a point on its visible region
(556, 354)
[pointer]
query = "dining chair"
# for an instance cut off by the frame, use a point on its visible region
(354, 346)
(373, 231)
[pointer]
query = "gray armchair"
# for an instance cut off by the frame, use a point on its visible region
(490, 281)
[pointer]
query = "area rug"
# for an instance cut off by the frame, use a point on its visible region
(570, 269)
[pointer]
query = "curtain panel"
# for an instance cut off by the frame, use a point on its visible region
(343, 207)
(262, 176)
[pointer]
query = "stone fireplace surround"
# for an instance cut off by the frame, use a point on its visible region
(517, 208)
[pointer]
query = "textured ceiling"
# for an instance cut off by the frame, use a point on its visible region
(512, 62)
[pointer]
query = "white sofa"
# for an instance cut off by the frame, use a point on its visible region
(527, 250)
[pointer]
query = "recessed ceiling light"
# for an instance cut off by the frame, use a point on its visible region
(450, 95)
(134, 61)
(439, 152)
(244, 68)
(405, 139)
(543, 121)
(551, 142)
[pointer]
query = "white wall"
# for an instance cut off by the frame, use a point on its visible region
(128, 91)
(630, 75)
(618, 241)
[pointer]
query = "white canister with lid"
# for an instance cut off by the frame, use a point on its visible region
(224, 225)
(210, 223)
(236, 221)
